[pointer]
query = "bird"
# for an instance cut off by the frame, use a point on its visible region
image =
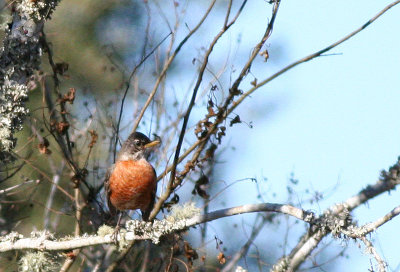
(131, 182)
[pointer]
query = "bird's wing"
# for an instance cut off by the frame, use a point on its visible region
(107, 191)
(146, 213)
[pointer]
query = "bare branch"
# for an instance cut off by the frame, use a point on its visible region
(245, 248)
(249, 208)
(388, 181)
(4, 191)
(371, 250)
(358, 232)
(200, 144)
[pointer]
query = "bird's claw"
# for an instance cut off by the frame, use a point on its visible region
(116, 233)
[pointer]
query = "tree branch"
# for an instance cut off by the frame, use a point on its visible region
(358, 232)
(334, 219)
(19, 59)
(140, 230)
(371, 250)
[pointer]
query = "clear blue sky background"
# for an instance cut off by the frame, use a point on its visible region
(332, 121)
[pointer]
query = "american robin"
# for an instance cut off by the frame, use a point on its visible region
(131, 183)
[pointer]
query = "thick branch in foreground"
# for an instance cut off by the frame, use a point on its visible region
(180, 219)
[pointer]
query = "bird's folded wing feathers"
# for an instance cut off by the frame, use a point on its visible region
(107, 191)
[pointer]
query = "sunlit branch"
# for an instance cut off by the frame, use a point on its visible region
(357, 232)
(151, 231)
(389, 180)
(9, 189)
(371, 250)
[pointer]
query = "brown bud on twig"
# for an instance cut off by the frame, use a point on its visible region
(62, 127)
(221, 258)
(69, 97)
(43, 147)
(94, 136)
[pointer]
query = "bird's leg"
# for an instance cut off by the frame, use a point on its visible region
(117, 228)
(119, 220)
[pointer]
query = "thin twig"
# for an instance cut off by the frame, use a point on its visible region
(358, 232)
(45, 176)
(371, 250)
(230, 266)
(201, 143)
(128, 85)
(168, 64)
(69, 261)
(4, 191)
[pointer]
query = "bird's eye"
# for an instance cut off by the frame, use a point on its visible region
(137, 142)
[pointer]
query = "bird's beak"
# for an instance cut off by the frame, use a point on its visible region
(152, 144)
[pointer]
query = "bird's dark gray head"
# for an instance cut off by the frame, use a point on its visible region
(136, 147)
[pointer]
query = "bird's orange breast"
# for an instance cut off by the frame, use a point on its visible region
(132, 185)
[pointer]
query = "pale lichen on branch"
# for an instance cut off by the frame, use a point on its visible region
(181, 218)
(19, 59)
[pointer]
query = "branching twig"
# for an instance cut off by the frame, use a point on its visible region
(358, 232)
(371, 250)
(4, 191)
(388, 181)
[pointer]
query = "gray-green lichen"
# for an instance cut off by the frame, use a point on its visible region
(11, 237)
(12, 111)
(43, 234)
(281, 266)
(19, 59)
(122, 241)
(336, 222)
(240, 269)
(105, 230)
(37, 262)
(181, 212)
(38, 10)
(154, 230)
